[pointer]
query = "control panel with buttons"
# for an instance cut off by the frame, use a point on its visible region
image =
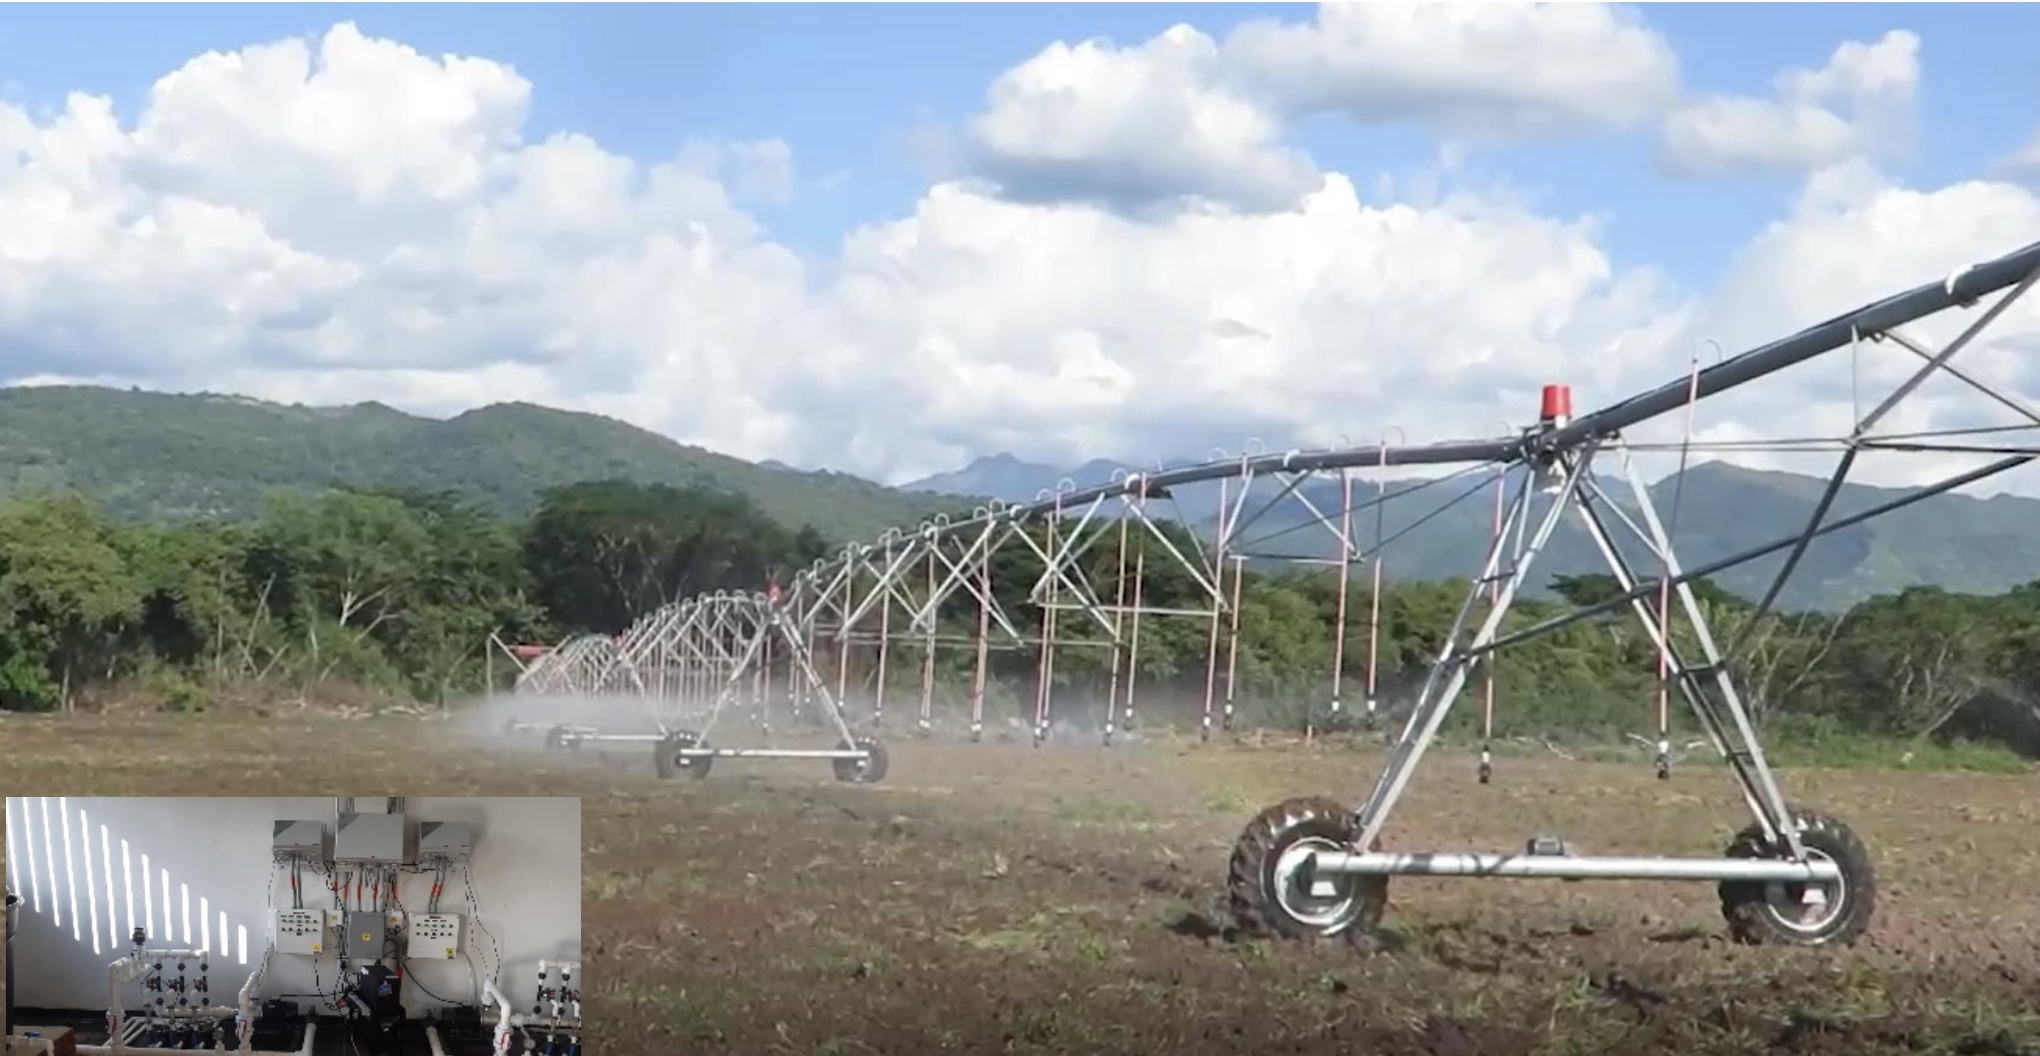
(435, 936)
(300, 931)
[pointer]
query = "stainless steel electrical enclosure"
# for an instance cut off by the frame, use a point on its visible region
(303, 838)
(444, 839)
(364, 938)
(370, 838)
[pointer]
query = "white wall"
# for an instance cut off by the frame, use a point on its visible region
(526, 870)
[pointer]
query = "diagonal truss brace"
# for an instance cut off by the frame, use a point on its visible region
(959, 572)
(1722, 712)
(1567, 476)
(1449, 671)
(1935, 362)
(769, 622)
(1057, 561)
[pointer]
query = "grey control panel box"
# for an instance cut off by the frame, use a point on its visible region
(370, 838)
(305, 838)
(444, 839)
(363, 940)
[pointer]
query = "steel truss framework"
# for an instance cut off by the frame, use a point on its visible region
(1313, 867)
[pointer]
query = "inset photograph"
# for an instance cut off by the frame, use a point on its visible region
(383, 926)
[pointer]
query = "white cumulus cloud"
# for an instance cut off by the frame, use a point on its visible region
(1853, 236)
(270, 222)
(1134, 127)
(1861, 103)
(1478, 69)
(1183, 119)
(1075, 327)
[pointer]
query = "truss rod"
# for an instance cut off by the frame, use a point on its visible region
(1703, 571)
(1962, 287)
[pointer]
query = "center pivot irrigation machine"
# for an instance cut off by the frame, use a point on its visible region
(1313, 867)
(726, 636)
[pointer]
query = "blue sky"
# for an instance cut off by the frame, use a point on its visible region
(854, 87)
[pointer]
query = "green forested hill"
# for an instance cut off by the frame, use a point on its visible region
(177, 457)
(147, 455)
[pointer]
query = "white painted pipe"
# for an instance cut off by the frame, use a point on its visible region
(117, 975)
(568, 969)
(134, 966)
(245, 1023)
(509, 1019)
(432, 1039)
(166, 955)
(131, 1050)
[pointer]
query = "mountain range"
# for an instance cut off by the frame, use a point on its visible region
(1959, 542)
(146, 455)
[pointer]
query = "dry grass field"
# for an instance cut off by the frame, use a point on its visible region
(1003, 899)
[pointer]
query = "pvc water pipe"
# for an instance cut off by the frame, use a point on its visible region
(125, 1049)
(509, 1018)
(432, 1039)
(132, 967)
(244, 1024)
(568, 969)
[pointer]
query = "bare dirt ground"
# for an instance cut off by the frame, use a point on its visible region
(1003, 899)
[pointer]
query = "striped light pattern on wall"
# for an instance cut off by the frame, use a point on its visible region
(68, 884)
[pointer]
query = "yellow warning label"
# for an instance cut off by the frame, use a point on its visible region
(449, 952)
(367, 937)
(315, 947)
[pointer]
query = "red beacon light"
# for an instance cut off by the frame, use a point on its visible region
(772, 593)
(1556, 407)
(1553, 412)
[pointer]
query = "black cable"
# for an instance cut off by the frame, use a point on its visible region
(475, 908)
(413, 976)
(324, 1001)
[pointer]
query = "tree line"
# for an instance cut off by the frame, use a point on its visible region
(388, 592)
(396, 594)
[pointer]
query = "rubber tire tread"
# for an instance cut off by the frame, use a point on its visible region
(1748, 915)
(1250, 873)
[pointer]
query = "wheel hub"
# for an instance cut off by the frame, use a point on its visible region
(1807, 907)
(1310, 897)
